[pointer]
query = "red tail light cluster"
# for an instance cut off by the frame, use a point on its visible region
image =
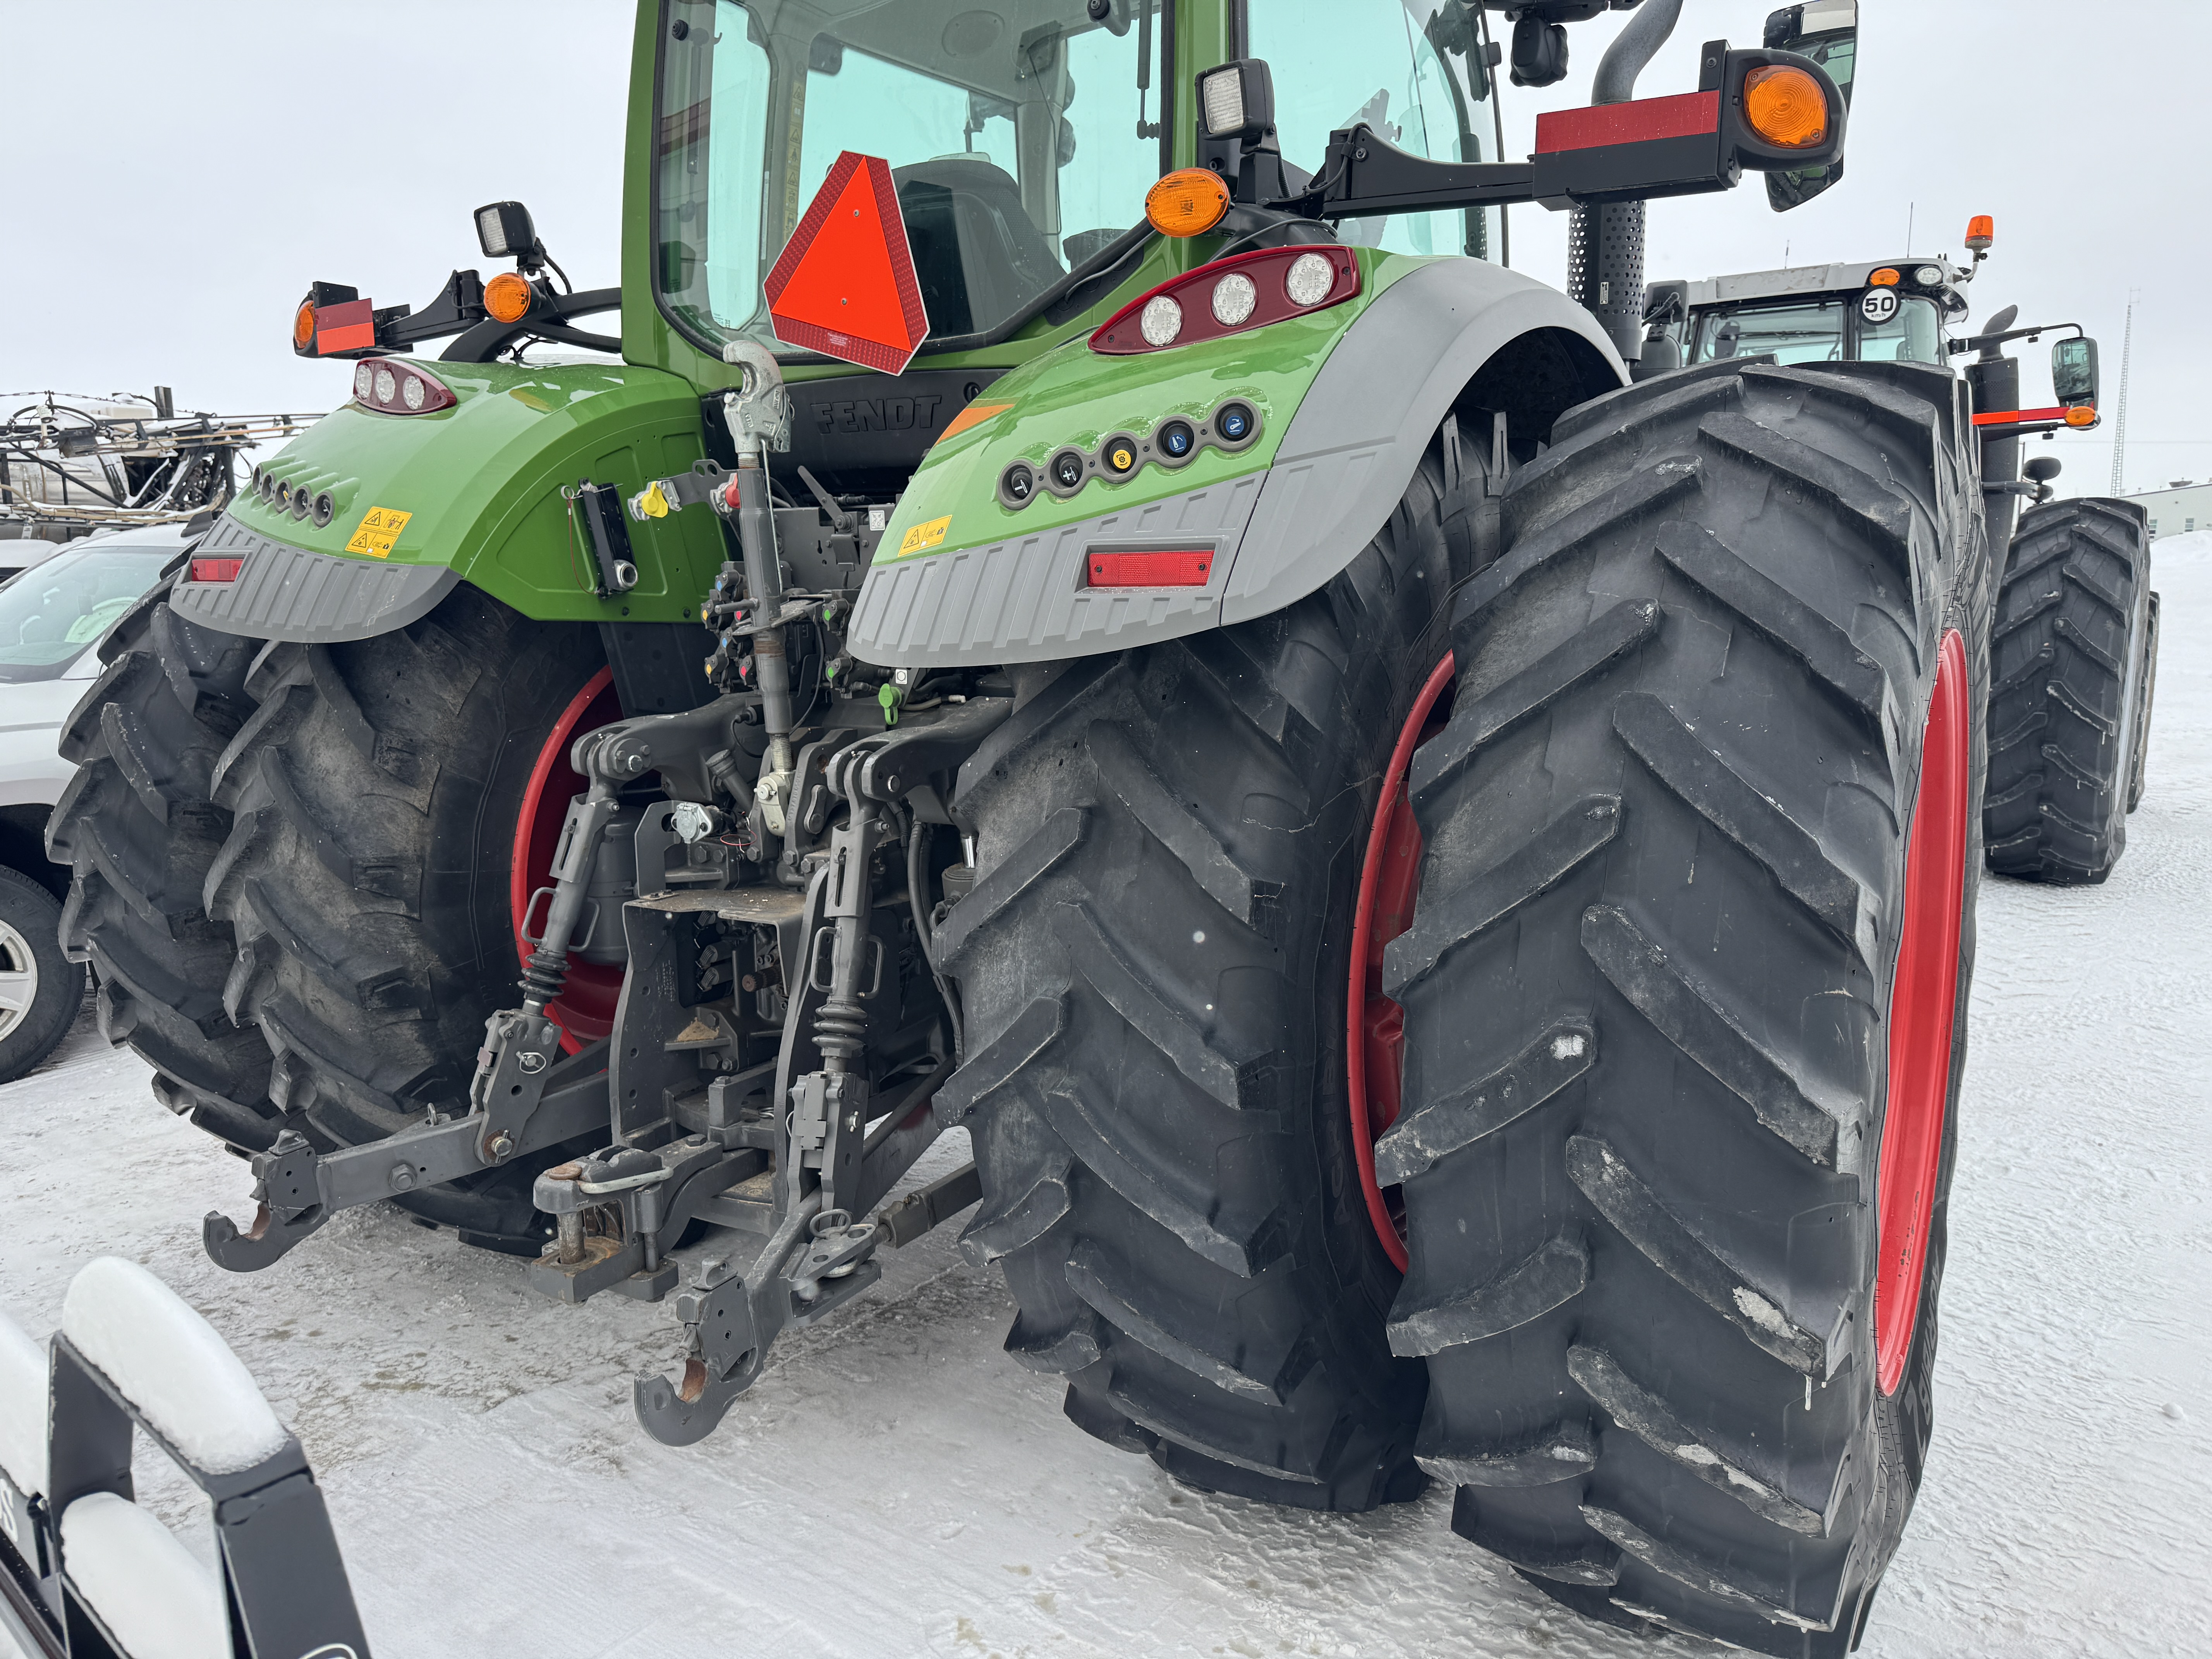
(1246, 291)
(215, 570)
(391, 387)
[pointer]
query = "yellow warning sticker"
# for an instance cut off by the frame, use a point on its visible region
(378, 529)
(923, 537)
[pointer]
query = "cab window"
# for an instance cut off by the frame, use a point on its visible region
(1412, 69)
(1913, 335)
(1792, 334)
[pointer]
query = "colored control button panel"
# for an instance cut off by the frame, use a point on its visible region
(1233, 425)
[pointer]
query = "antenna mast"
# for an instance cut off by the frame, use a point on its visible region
(2120, 416)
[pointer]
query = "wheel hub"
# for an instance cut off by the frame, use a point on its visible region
(1374, 1035)
(586, 1007)
(19, 978)
(1922, 1008)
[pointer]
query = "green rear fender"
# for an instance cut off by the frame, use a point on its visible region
(1348, 399)
(481, 483)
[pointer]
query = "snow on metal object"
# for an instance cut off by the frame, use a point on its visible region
(169, 1362)
(845, 285)
(156, 1600)
(23, 1409)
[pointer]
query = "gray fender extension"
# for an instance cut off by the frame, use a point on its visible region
(1279, 535)
(307, 597)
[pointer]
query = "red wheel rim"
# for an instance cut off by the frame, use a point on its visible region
(1922, 1006)
(586, 1007)
(1375, 1026)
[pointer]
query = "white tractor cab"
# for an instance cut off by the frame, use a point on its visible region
(1896, 311)
(1854, 312)
(52, 618)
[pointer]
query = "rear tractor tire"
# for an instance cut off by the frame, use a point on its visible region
(1685, 996)
(139, 831)
(375, 795)
(1153, 966)
(295, 867)
(2073, 662)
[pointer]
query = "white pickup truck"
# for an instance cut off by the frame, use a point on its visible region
(52, 618)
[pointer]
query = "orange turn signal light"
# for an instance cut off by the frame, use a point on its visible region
(1981, 231)
(1886, 277)
(2081, 415)
(1189, 202)
(303, 326)
(507, 297)
(1785, 107)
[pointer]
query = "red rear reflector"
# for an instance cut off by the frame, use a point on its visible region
(1176, 570)
(215, 570)
(350, 327)
(1685, 115)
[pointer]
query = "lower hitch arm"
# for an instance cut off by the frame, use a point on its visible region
(297, 1189)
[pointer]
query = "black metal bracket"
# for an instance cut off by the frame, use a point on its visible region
(1364, 175)
(297, 1189)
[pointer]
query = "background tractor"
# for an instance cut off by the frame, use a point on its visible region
(2075, 638)
(1438, 881)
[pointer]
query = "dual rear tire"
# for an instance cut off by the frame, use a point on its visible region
(1685, 999)
(292, 868)
(1683, 1003)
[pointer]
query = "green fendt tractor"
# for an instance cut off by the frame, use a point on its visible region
(2074, 647)
(1437, 881)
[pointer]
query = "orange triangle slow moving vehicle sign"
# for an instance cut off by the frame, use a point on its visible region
(844, 284)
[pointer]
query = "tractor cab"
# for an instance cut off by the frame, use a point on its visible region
(1855, 312)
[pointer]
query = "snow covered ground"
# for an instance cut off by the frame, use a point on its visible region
(895, 1486)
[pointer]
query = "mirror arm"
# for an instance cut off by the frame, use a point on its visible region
(1981, 342)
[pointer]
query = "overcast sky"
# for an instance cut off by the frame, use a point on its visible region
(179, 172)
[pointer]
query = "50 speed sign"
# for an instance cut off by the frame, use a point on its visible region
(1877, 305)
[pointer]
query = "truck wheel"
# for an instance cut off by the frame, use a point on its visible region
(1152, 964)
(40, 988)
(138, 830)
(2070, 664)
(1685, 993)
(377, 796)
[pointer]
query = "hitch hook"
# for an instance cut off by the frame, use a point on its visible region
(289, 1208)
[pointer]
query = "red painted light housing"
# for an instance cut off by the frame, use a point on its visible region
(392, 388)
(1230, 296)
(1168, 568)
(215, 570)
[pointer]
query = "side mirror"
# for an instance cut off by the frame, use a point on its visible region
(2043, 469)
(2073, 372)
(1825, 31)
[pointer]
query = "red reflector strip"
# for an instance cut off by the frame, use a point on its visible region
(350, 327)
(1682, 116)
(1166, 570)
(2006, 416)
(215, 570)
